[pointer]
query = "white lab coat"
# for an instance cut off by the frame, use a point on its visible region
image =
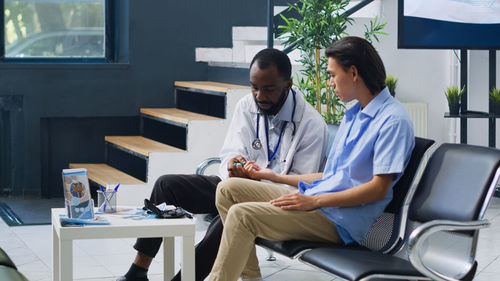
(301, 154)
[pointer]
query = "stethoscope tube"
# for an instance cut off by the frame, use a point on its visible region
(257, 145)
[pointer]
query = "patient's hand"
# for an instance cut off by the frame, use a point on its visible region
(257, 173)
(295, 201)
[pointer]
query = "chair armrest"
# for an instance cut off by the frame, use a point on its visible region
(422, 233)
(200, 170)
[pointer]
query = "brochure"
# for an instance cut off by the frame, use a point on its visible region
(77, 199)
(65, 221)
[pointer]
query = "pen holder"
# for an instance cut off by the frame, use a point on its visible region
(106, 201)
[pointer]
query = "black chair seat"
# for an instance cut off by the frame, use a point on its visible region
(291, 248)
(354, 264)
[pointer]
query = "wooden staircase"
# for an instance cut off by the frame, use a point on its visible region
(172, 140)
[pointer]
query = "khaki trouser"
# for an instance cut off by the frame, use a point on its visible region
(246, 213)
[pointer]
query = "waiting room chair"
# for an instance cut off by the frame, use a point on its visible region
(387, 232)
(445, 212)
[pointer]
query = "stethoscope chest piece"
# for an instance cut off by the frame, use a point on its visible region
(256, 144)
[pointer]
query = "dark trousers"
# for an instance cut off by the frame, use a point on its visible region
(196, 194)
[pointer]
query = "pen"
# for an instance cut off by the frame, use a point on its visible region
(113, 194)
(105, 199)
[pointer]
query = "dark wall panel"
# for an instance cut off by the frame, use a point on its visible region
(238, 76)
(162, 36)
(76, 140)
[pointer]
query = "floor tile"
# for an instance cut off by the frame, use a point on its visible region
(35, 266)
(486, 276)
(95, 279)
(493, 267)
(38, 275)
(22, 256)
(82, 271)
(299, 275)
(11, 243)
(106, 259)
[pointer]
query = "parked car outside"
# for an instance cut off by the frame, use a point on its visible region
(69, 43)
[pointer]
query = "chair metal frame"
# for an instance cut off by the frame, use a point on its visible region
(415, 240)
(424, 231)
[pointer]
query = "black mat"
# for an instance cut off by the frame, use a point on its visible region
(17, 211)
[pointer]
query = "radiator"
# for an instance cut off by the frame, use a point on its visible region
(418, 115)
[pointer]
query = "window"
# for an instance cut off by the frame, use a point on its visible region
(57, 29)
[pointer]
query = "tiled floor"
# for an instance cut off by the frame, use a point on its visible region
(30, 248)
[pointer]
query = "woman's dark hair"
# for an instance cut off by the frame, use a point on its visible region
(269, 56)
(357, 51)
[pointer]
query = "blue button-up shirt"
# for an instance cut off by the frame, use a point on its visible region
(371, 141)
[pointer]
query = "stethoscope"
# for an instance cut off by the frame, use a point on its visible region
(257, 144)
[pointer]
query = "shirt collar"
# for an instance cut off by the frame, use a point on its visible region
(371, 108)
(285, 113)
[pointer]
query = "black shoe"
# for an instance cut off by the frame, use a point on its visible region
(210, 217)
(123, 278)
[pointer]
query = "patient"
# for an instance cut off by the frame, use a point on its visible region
(369, 153)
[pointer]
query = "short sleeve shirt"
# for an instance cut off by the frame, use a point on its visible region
(375, 140)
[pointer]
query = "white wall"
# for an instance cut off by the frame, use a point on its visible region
(424, 74)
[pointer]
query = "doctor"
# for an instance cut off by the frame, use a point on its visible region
(273, 127)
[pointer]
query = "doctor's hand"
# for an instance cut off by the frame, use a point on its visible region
(295, 201)
(237, 170)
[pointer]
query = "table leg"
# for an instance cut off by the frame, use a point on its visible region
(55, 255)
(66, 259)
(168, 258)
(188, 261)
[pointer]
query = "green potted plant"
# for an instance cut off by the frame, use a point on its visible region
(495, 98)
(453, 95)
(391, 82)
(319, 25)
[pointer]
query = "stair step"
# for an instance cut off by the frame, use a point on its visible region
(208, 54)
(103, 174)
(242, 55)
(209, 86)
(176, 115)
(249, 33)
(141, 145)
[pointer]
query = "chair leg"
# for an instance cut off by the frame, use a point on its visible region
(270, 256)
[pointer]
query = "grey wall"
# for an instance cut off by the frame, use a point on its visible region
(163, 36)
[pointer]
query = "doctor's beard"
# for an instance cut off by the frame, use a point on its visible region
(276, 106)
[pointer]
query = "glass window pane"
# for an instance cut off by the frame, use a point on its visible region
(54, 28)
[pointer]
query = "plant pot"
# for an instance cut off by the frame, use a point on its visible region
(496, 108)
(454, 108)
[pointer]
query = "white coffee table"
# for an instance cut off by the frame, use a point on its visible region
(119, 227)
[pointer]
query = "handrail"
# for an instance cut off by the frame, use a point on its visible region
(270, 22)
